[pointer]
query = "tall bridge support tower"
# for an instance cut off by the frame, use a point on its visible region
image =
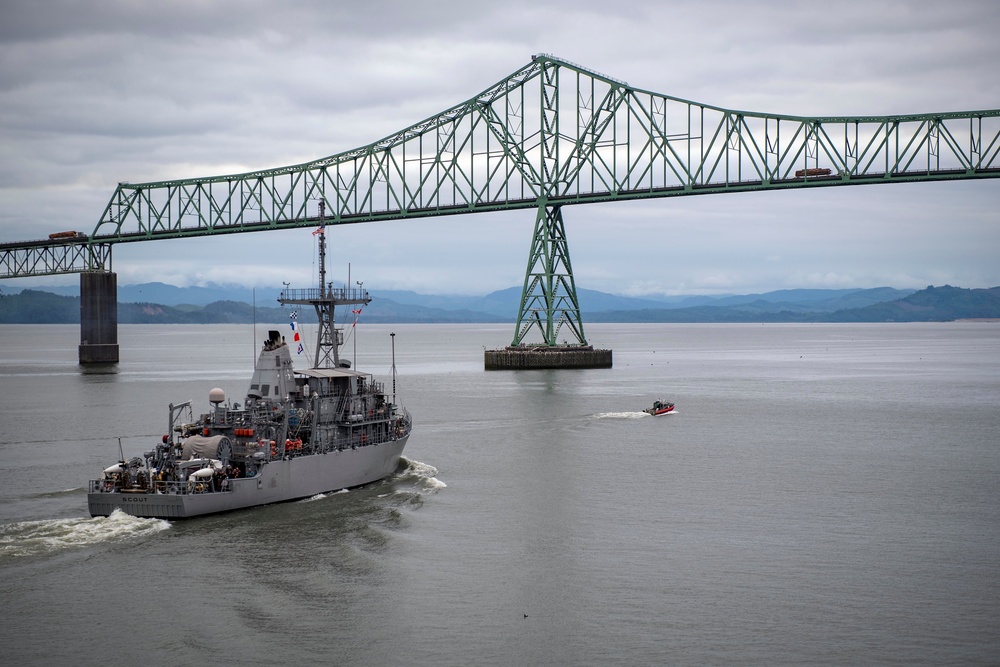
(548, 303)
(98, 317)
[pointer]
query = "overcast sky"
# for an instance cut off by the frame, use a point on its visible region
(95, 92)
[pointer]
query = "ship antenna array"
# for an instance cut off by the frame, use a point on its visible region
(392, 336)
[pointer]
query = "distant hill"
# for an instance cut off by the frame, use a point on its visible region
(934, 304)
(500, 304)
(937, 304)
(36, 307)
(882, 304)
(171, 295)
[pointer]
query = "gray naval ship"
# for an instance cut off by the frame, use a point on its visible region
(299, 433)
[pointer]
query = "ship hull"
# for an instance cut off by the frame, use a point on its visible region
(275, 482)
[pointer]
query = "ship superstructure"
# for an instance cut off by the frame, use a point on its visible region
(297, 434)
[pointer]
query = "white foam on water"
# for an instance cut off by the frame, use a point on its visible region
(621, 415)
(419, 469)
(433, 483)
(34, 538)
(425, 473)
(321, 496)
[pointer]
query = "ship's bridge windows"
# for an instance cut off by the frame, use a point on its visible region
(265, 389)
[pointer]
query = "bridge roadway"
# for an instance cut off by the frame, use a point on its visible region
(15, 256)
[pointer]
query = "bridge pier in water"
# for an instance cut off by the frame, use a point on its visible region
(548, 303)
(542, 356)
(98, 317)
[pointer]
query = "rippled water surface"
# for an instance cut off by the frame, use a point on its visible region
(823, 494)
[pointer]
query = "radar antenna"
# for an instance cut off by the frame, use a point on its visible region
(325, 300)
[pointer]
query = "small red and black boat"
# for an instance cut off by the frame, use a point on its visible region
(659, 408)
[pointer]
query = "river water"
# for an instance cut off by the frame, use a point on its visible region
(824, 494)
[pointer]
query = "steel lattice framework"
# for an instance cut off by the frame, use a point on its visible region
(551, 134)
(49, 258)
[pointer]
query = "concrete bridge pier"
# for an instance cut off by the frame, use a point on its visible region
(543, 356)
(98, 317)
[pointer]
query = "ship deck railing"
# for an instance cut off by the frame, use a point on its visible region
(329, 294)
(361, 434)
(159, 487)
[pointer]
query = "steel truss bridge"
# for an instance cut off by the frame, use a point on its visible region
(549, 135)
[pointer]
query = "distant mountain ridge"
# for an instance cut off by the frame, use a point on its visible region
(934, 304)
(180, 305)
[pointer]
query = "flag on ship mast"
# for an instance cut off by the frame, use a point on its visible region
(295, 330)
(356, 314)
(320, 229)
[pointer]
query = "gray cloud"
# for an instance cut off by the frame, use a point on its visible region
(92, 93)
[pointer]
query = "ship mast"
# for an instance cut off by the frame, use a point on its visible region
(325, 300)
(327, 344)
(322, 247)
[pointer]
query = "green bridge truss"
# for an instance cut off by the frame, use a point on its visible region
(550, 135)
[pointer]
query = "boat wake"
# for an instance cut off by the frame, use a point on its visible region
(321, 496)
(41, 538)
(411, 477)
(422, 474)
(59, 494)
(620, 415)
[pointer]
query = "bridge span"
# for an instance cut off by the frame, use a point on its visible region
(550, 135)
